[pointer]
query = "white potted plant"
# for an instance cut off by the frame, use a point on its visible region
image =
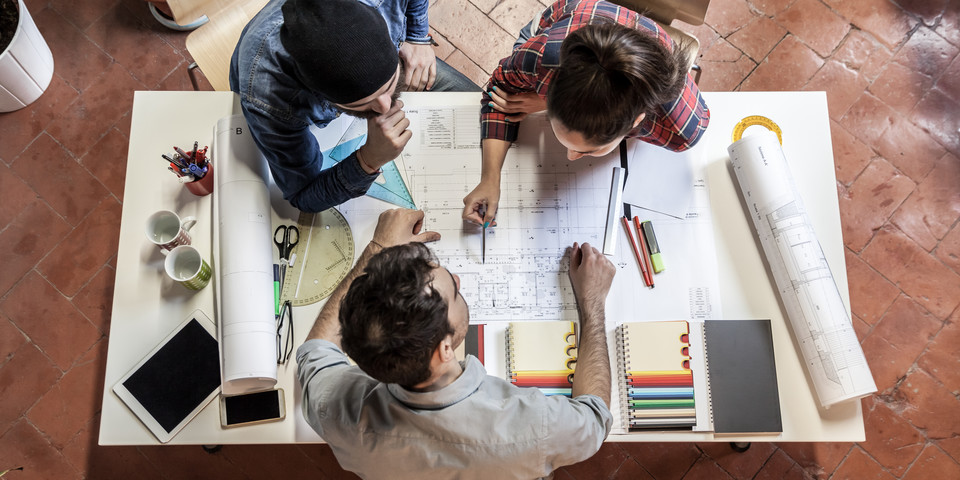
(26, 64)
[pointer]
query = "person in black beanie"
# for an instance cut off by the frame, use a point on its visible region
(303, 62)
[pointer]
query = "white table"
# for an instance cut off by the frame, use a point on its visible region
(147, 305)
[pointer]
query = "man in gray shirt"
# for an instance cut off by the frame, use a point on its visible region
(409, 408)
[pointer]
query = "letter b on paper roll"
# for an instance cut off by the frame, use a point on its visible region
(248, 327)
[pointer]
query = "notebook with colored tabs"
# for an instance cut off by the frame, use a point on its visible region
(542, 354)
(656, 382)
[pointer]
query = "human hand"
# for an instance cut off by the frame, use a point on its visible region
(401, 226)
(387, 134)
(518, 104)
(591, 274)
(420, 66)
(480, 205)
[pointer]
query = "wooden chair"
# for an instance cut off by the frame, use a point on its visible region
(212, 44)
(664, 12)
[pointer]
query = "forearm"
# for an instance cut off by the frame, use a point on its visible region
(418, 25)
(592, 375)
(327, 324)
(333, 186)
(494, 152)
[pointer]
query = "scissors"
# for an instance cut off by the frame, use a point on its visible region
(286, 241)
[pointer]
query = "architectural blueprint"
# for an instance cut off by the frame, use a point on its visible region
(546, 204)
(829, 345)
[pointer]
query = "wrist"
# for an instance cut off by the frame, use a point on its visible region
(427, 40)
(369, 169)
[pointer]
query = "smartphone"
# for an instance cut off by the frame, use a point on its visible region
(252, 408)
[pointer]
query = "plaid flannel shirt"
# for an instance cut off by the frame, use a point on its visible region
(676, 125)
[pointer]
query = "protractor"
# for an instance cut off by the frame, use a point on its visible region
(756, 120)
(324, 256)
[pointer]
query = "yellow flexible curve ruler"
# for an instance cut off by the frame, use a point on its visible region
(756, 120)
(324, 257)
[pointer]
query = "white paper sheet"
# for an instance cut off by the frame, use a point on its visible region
(829, 345)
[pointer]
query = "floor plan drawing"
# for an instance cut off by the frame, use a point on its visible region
(546, 204)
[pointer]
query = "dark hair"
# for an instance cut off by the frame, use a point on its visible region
(392, 319)
(608, 75)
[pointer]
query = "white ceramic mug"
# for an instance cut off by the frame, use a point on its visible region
(167, 230)
(185, 265)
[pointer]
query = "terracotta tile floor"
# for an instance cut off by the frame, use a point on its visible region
(890, 69)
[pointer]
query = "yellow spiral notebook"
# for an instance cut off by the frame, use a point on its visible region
(542, 354)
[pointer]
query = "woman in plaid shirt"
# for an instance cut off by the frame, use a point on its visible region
(603, 73)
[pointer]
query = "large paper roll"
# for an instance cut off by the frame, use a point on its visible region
(246, 321)
(831, 352)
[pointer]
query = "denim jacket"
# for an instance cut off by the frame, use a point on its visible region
(279, 110)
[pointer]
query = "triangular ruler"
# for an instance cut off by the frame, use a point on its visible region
(389, 186)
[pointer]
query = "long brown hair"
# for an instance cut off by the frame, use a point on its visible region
(608, 75)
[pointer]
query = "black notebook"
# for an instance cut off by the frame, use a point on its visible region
(743, 377)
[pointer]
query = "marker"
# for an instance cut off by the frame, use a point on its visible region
(652, 246)
(276, 289)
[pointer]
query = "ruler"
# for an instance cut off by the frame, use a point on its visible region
(324, 257)
(756, 120)
(389, 186)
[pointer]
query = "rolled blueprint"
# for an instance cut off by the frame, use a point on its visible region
(246, 321)
(831, 353)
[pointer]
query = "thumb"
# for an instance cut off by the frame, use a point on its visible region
(491, 213)
(428, 236)
(516, 118)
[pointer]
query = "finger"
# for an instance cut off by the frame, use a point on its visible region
(396, 128)
(432, 77)
(403, 138)
(471, 212)
(408, 76)
(516, 118)
(507, 98)
(490, 214)
(429, 236)
(417, 82)
(418, 222)
(575, 256)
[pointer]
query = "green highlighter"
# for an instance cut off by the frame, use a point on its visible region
(655, 258)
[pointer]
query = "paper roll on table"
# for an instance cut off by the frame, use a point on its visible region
(246, 320)
(828, 343)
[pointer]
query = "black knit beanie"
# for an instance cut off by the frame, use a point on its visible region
(341, 48)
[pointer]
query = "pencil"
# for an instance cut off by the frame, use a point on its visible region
(644, 251)
(636, 251)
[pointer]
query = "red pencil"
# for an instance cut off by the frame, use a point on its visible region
(646, 252)
(636, 251)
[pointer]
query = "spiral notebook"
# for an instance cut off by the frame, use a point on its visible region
(661, 388)
(656, 382)
(542, 354)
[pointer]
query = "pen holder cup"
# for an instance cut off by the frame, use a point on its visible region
(203, 185)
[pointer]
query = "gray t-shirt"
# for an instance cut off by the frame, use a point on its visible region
(477, 427)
